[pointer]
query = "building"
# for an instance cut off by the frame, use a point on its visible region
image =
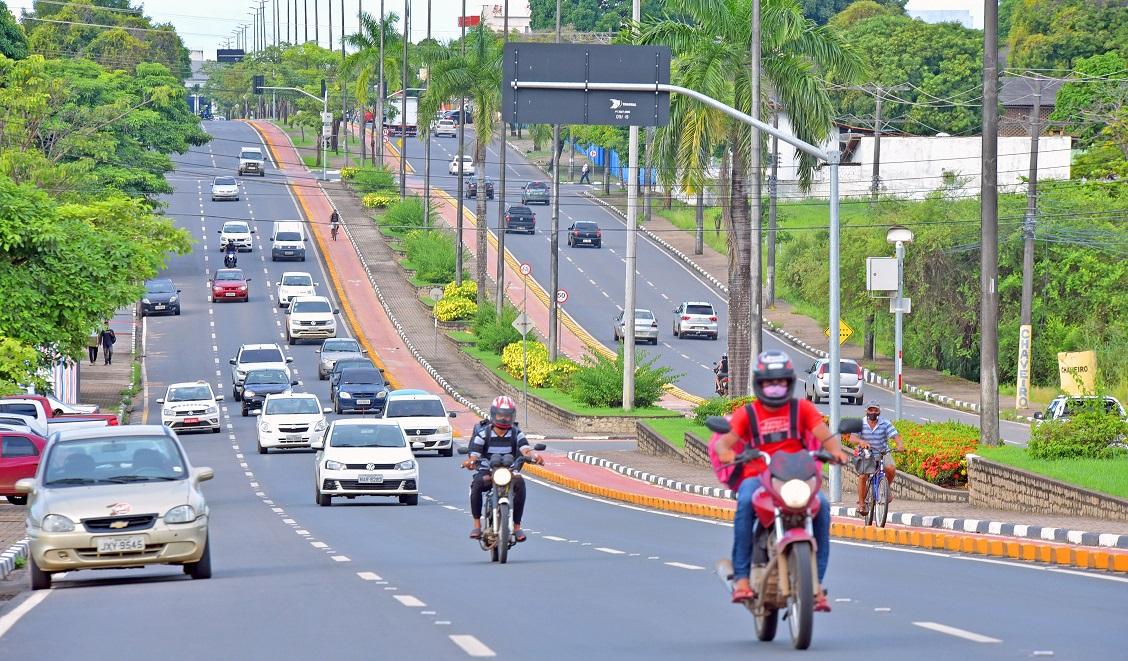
(520, 16)
(195, 81)
(968, 13)
(1016, 96)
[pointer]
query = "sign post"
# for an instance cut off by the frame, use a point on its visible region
(561, 299)
(523, 325)
(1022, 389)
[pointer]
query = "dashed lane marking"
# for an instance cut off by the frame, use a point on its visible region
(958, 633)
(471, 645)
(682, 565)
(368, 576)
(409, 601)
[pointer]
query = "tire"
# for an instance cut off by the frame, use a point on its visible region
(235, 394)
(880, 510)
(766, 625)
(177, 313)
(675, 331)
(449, 452)
(337, 408)
(801, 606)
(322, 377)
(216, 430)
(261, 449)
(654, 341)
(142, 314)
(503, 534)
(202, 568)
(40, 580)
(323, 500)
(412, 499)
(243, 411)
(17, 500)
(290, 340)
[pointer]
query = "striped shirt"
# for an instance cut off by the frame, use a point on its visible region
(486, 442)
(878, 436)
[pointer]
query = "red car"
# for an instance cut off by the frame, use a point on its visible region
(19, 458)
(230, 285)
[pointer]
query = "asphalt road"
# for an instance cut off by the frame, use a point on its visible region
(596, 580)
(595, 282)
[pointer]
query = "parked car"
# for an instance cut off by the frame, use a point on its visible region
(238, 232)
(40, 414)
(116, 498)
(294, 283)
(472, 188)
(289, 420)
(255, 356)
(447, 127)
(310, 318)
(336, 349)
(62, 408)
(536, 191)
(645, 327)
(851, 381)
(467, 169)
(190, 406)
(585, 233)
(365, 458)
(261, 382)
(456, 117)
(161, 297)
(1065, 406)
(696, 318)
(360, 389)
(225, 188)
(423, 418)
(229, 285)
(343, 364)
(19, 458)
(520, 218)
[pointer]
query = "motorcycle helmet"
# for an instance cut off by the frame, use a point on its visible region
(772, 366)
(503, 412)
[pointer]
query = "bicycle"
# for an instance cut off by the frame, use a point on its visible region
(333, 229)
(877, 498)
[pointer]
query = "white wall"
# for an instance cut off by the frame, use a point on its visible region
(973, 8)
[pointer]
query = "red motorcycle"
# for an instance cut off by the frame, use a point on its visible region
(785, 505)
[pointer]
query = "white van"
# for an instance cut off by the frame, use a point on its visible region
(287, 241)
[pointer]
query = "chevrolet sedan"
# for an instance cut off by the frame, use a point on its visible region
(224, 188)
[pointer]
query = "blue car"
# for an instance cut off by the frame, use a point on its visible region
(360, 390)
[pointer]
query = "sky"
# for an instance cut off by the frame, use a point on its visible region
(206, 24)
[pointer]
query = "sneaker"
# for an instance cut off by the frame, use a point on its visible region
(822, 604)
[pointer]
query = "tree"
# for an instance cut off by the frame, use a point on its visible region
(13, 41)
(860, 10)
(1091, 105)
(18, 363)
(1054, 34)
(365, 64)
(477, 77)
(589, 15)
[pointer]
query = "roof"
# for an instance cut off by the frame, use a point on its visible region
(117, 431)
(1019, 91)
(411, 392)
(257, 346)
(187, 384)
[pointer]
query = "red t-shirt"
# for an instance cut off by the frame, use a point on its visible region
(771, 422)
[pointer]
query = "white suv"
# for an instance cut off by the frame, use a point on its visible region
(295, 283)
(365, 457)
(310, 318)
(467, 168)
(238, 232)
(193, 405)
(289, 420)
(423, 419)
(445, 127)
(256, 356)
(696, 318)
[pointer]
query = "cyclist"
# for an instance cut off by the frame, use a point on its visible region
(334, 224)
(783, 422)
(875, 435)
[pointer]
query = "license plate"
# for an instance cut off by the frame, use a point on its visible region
(191, 421)
(119, 544)
(370, 479)
(158, 307)
(230, 293)
(587, 240)
(293, 438)
(363, 402)
(287, 252)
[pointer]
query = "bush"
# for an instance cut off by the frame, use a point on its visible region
(495, 334)
(378, 200)
(348, 173)
(432, 254)
(599, 380)
(403, 216)
(370, 180)
(1088, 434)
(513, 359)
(468, 289)
(451, 309)
(719, 406)
(563, 373)
(937, 451)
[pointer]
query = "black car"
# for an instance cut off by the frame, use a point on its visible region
(535, 191)
(161, 296)
(262, 382)
(472, 188)
(456, 116)
(520, 218)
(339, 366)
(585, 233)
(360, 389)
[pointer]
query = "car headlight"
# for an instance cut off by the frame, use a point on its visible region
(146, 301)
(344, 395)
(795, 493)
(172, 299)
(211, 410)
(248, 393)
(405, 465)
(382, 394)
(57, 523)
(180, 514)
(264, 427)
(502, 477)
(168, 412)
(442, 429)
(321, 425)
(334, 465)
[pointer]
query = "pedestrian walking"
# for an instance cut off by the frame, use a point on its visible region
(585, 174)
(92, 343)
(107, 338)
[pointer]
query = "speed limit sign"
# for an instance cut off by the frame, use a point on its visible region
(561, 296)
(387, 131)
(526, 268)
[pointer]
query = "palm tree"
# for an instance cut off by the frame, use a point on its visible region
(365, 63)
(476, 76)
(711, 40)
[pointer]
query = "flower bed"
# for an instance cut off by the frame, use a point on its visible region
(937, 451)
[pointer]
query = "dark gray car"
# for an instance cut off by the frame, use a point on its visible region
(343, 364)
(520, 219)
(535, 191)
(161, 297)
(334, 349)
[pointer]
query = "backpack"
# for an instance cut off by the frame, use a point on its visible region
(727, 474)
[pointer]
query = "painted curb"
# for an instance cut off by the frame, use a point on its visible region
(657, 480)
(9, 556)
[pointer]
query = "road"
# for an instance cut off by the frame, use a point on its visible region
(594, 280)
(596, 580)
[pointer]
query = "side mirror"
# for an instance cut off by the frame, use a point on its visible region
(366, 351)
(278, 284)
(327, 409)
(231, 361)
(317, 350)
(160, 400)
(287, 311)
(219, 398)
(289, 359)
(249, 279)
(849, 425)
(219, 232)
(177, 291)
(252, 231)
(317, 284)
(293, 383)
(539, 447)
(717, 424)
(453, 414)
(203, 474)
(336, 311)
(461, 450)
(1037, 415)
(381, 370)
(26, 485)
(417, 446)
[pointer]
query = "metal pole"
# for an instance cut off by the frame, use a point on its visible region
(989, 233)
(427, 144)
(554, 237)
(875, 177)
(461, 150)
(898, 315)
(755, 171)
(525, 348)
(330, 3)
(305, 19)
(316, 23)
(632, 238)
(403, 102)
(499, 300)
(571, 156)
(381, 92)
(1026, 330)
(773, 193)
(835, 366)
(324, 151)
(344, 88)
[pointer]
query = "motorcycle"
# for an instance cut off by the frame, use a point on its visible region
(230, 260)
(785, 505)
(497, 525)
(722, 386)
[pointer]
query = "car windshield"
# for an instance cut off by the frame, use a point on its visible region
(311, 306)
(297, 280)
(362, 376)
(236, 228)
(587, 227)
(261, 356)
(537, 185)
(288, 236)
(367, 436)
(160, 287)
(113, 461)
(230, 274)
(343, 365)
(250, 153)
(224, 181)
(189, 393)
(292, 405)
(415, 408)
(340, 345)
(1075, 406)
(520, 211)
(699, 309)
(643, 315)
(266, 376)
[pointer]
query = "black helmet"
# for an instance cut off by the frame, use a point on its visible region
(770, 366)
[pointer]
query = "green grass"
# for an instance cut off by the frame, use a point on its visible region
(563, 400)
(427, 300)
(462, 337)
(1104, 475)
(684, 217)
(311, 161)
(674, 429)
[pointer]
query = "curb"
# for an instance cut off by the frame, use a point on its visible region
(675, 485)
(955, 542)
(9, 556)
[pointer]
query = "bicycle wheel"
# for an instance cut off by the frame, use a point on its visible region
(881, 506)
(870, 501)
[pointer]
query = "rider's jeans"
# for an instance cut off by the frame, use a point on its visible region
(746, 528)
(480, 485)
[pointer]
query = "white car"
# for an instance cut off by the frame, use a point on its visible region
(295, 283)
(365, 457)
(238, 232)
(192, 405)
(61, 408)
(467, 166)
(225, 188)
(310, 318)
(290, 420)
(256, 356)
(446, 127)
(423, 419)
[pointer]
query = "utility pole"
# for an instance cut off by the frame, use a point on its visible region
(344, 88)
(403, 102)
(989, 233)
(305, 20)
(1026, 330)
(875, 176)
(755, 171)
(330, 3)
(773, 195)
(381, 91)
(427, 143)
(461, 151)
(632, 240)
(363, 95)
(499, 295)
(554, 237)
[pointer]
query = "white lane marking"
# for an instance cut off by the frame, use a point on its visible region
(289, 521)
(368, 576)
(319, 545)
(341, 558)
(682, 565)
(450, 507)
(958, 633)
(883, 610)
(471, 645)
(555, 538)
(9, 619)
(442, 621)
(409, 601)
(604, 549)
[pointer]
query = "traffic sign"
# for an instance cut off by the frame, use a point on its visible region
(526, 268)
(326, 117)
(593, 153)
(844, 331)
(561, 296)
(387, 132)
(523, 324)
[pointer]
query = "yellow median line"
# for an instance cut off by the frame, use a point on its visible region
(333, 277)
(389, 145)
(1082, 557)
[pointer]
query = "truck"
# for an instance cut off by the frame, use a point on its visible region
(251, 162)
(43, 419)
(393, 106)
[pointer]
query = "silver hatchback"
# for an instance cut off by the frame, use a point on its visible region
(696, 318)
(645, 327)
(335, 349)
(817, 386)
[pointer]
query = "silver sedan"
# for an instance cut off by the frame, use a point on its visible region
(645, 326)
(335, 349)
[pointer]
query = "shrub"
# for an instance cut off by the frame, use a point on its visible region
(403, 216)
(432, 254)
(494, 333)
(599, 380)
(937, 451)
(451, 309)
(348, 173)
(563, 372)
(378, 200)
(1088, 434)
(371, 180)
(719, 406)
(468, 289)
(513, 359)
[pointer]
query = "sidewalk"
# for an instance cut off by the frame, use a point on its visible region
(102, 384)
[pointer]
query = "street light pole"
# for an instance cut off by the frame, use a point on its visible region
(632, 239)
(554, 238)
(500, 302)
(324, 111)
(899, 236)
(403, 102)
(461, 147)
(427, 142)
